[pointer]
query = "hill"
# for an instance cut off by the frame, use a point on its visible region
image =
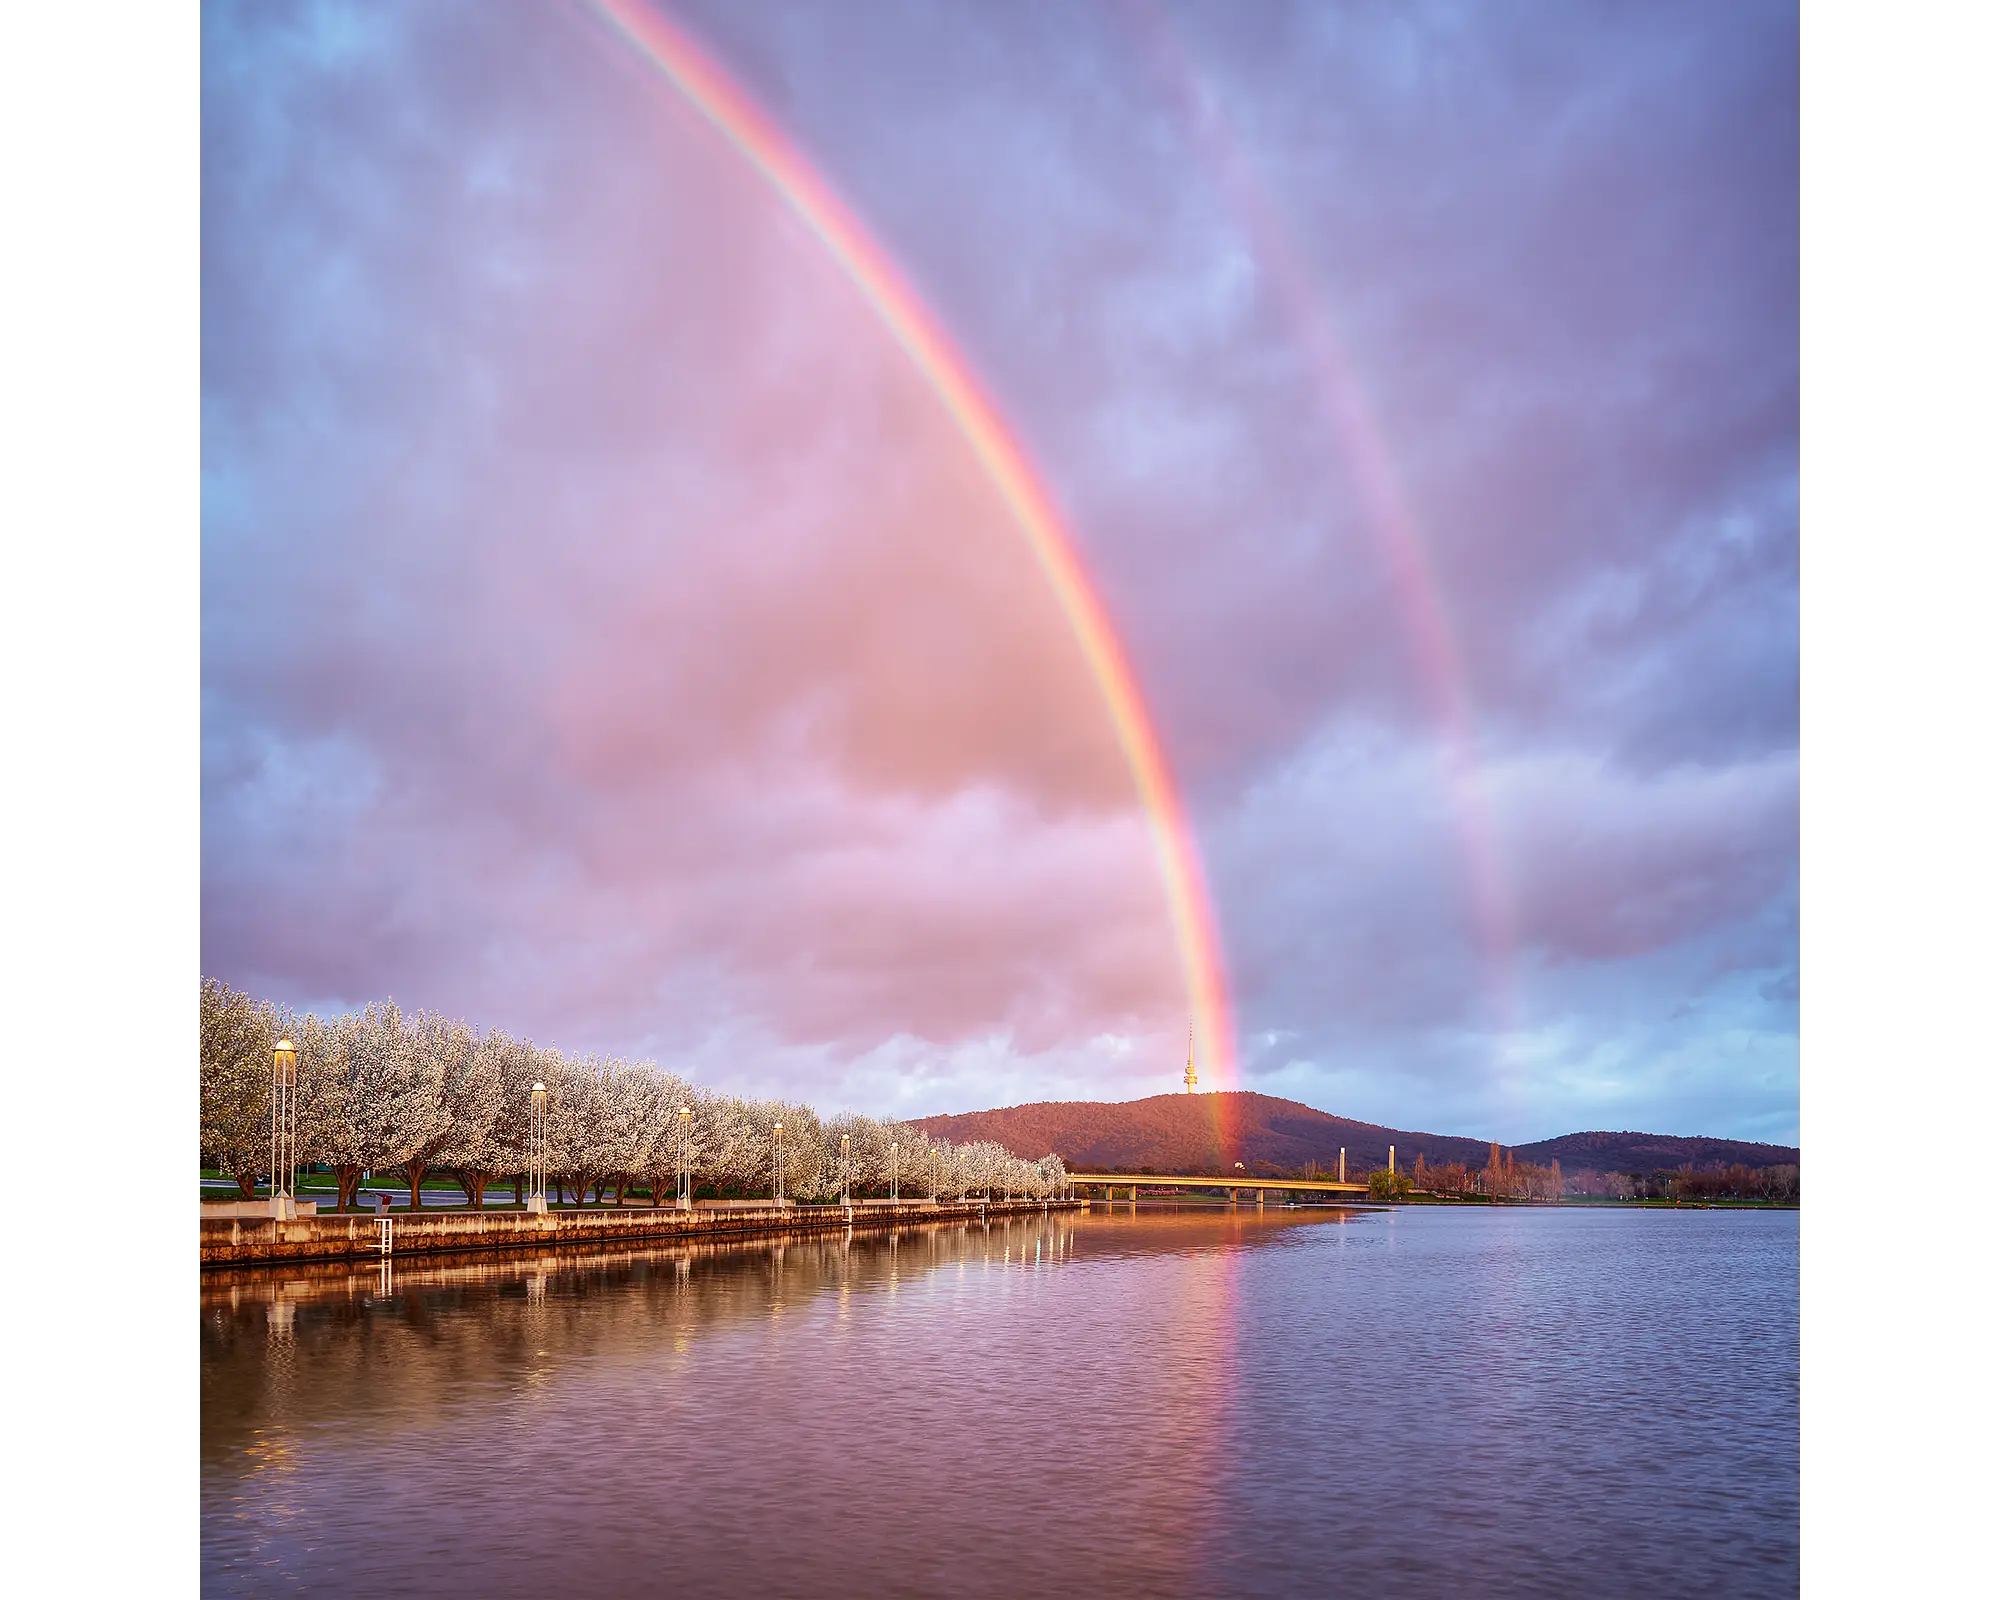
(1651, 1152)
(1211, 1132)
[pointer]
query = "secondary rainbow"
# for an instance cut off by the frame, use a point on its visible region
(711, 92)
(1391, 516)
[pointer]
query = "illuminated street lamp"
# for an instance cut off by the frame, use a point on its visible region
(686, 1197)
(778, 1162)
(846, 1198)
(892, 1172)
(284, 1128)
(538, 1149)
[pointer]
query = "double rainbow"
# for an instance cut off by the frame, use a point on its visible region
(712, 93)
(1391, 515)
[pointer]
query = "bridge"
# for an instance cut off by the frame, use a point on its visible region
(1112, 1182)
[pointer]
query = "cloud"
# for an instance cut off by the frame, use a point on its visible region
(607, 635)
(623, 641)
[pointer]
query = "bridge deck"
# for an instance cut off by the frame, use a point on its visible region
(1173, 1180)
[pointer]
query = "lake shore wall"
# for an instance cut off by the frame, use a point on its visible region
(356, 1237)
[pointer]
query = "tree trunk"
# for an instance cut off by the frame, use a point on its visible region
(246, 1184)
(624, 1188)
(475, 1187)
(414, 1171)
(520, 1183)
(347, 1179)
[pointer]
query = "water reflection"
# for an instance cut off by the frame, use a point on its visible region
(1166, 1403)
(504, 1422)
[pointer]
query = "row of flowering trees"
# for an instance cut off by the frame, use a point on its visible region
(421, 1094)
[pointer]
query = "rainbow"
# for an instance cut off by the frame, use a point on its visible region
(1391, 517)
(711, 92)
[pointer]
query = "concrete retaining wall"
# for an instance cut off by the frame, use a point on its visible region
(246, 1241)
(211, 1209)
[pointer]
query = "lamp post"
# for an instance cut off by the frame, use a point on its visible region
(778, 1162)
(846, 1198)
(892, 1172)
(538, 1149)
(284, 1128)
(686, 1197)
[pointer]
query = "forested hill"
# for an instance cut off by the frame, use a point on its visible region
(1211, 1132)
(1651, 1152)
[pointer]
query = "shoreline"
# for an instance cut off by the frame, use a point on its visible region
(357, 1237)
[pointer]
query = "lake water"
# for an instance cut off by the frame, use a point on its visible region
(1181, 1402)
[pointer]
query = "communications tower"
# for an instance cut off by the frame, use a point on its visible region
(1188, 1076)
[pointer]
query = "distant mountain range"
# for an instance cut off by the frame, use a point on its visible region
(1212, 1132)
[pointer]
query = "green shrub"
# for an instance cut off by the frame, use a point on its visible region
(1387, 1185)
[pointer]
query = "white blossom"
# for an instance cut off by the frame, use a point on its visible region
(423, 1092)
(237, 1035)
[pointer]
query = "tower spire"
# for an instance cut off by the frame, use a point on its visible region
(1188, 1076)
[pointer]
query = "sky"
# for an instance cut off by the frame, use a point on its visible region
(608, 635)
